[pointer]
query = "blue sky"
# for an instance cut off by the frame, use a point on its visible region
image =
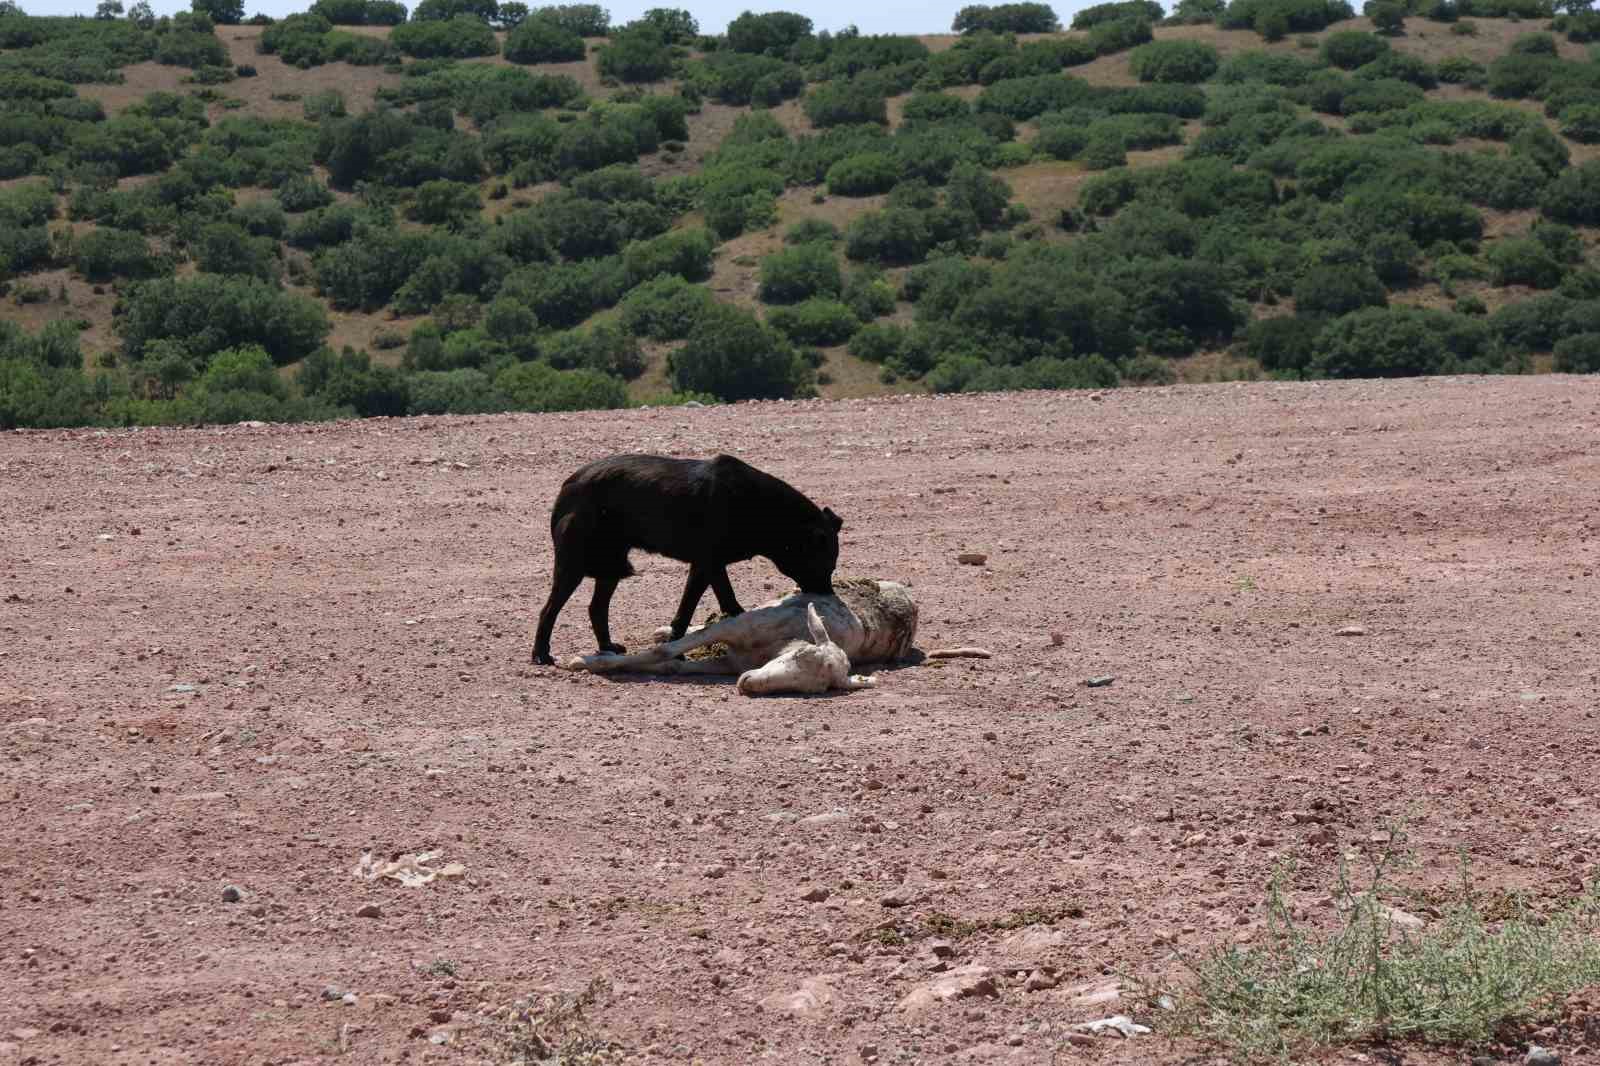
(887, 16)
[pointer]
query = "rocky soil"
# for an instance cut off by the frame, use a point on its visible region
(235, 660)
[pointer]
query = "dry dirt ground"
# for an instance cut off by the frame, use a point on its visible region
(244, 656)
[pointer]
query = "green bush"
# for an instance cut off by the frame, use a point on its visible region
(878, 342)
(1581, 123)
(1349, 49)
(1174, 61)
(1461, 70)
(637, 55)
(537, 40)
(684, 253)
(1523, 261)
(1385, 342)
(837, 103)
(586, 20)
(1338, 288)
(816, 321)
(605, 348)
(935, 107)
(666, 308)
(208, 313)
(1006, 18)
(446, 203)
(1119, 35)
(771, 33)
(735, 357)
(350, 380)
(303, 193)
(811, 229)
(1292, 16)
(1534, 44)
(1095, 14)
(224, 248)
(104, 253)
(461, 38)
(1517, 76)
(1284, 343)
(800, 272)
(864, 174)
(538, 387)
(893, 237)
(1388, 16)
(1578, 354)
(1574, 196)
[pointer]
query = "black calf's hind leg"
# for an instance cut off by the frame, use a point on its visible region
(562, 586)
(699, 578)
(724, 590)
(600, 614)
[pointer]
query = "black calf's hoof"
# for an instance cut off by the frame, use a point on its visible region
(542, 658)
(613, 649)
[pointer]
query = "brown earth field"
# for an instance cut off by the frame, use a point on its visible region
(244, 656)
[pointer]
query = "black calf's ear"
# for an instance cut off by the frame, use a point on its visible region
(833, 520)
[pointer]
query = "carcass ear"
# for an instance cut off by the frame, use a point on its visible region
(819, 632)
(833, 520)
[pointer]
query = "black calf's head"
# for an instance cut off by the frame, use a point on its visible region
(811, 554)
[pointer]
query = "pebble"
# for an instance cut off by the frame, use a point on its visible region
(1038, 981)
(961, 653)
(348, 999)
(815, 895)
(715, 872)
(332, 992)
(1100, 681)
(972, 558)
(231, 894)
(370, 910)
(964, 982)
(1351, 631)
(1539, 1056)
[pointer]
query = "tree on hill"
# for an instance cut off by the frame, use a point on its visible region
(222, 12)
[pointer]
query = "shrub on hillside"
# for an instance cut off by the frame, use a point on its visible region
(459, 38)
(540, 387)
(818, 321)
(733, 356)
(837, 103)
(896, 236)
(637, 55)
(1349, 49)
(1388, 342)
(104, 253)
(1006, 18)
(1578, 354)
(209, 312)
(538, 40)
(1095, 14)
(800, 272)
(1523, 261)
(586, 20)
(665, 308)
(772, 33)
(1174, 61)
(865, 174)
(1574, 196)
(1294, 16)
(1119, 35)
(1338, 288)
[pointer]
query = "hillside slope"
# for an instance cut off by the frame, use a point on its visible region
(480, 205)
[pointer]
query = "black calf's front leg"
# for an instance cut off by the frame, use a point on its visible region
(724, 590)
(600, 614)
(693, 589)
